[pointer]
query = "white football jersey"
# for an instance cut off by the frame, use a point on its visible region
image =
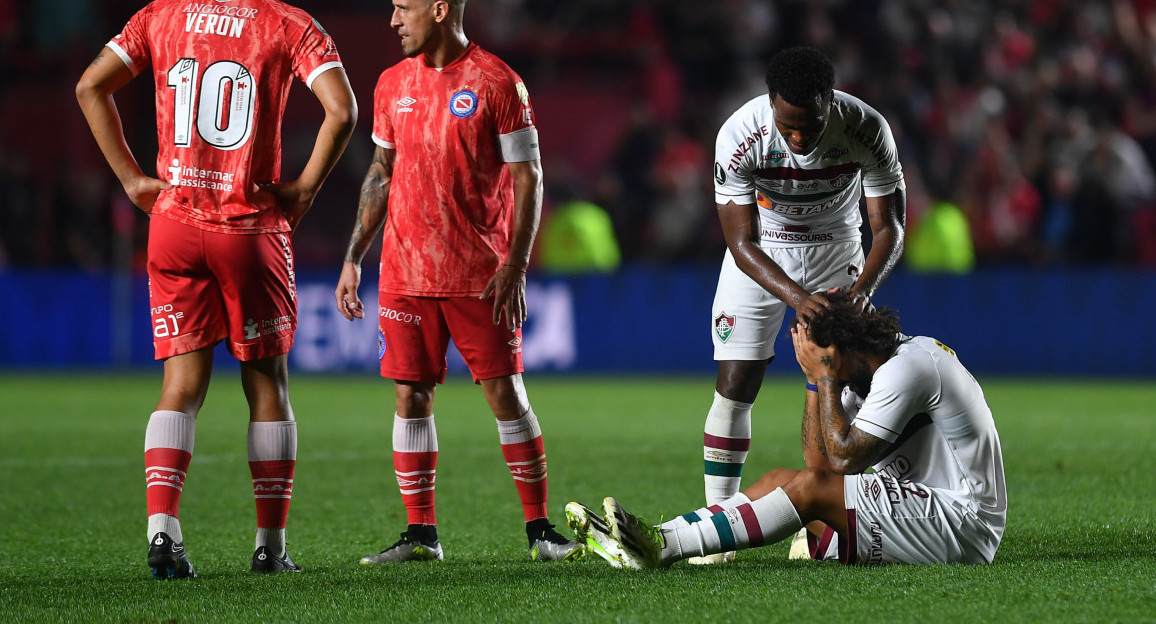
(806, 199)
(933, 411)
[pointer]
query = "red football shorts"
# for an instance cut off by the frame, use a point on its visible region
(205, 287)
(416, 331)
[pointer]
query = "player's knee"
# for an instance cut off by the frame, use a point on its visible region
(814, 491)
(740, 380)
(506, 397)
(184, 400)
(776, 477)
(414, 400)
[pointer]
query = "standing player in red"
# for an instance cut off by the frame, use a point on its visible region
(456, 181)
(220, 261)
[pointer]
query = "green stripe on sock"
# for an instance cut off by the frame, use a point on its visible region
(725, 535)
(719, 469)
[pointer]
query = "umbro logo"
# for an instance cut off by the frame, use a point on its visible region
(404, 105)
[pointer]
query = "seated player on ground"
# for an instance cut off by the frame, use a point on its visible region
(904, 406)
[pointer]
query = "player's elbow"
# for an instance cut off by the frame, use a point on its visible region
(846, 464)
(843, 467)
(743, 252)
(347, 116)
(344, 117)
(86, 89)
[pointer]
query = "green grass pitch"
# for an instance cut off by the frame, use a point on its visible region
(1080, 544)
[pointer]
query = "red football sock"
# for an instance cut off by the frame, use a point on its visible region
(168, 451)
(272, 460)
(525, 455)
(415, 462)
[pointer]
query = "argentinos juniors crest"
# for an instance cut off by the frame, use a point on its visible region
(723, 326)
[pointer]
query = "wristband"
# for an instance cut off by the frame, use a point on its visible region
(812, 387)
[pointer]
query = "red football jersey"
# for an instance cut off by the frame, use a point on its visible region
(451, 201)
(223, 73)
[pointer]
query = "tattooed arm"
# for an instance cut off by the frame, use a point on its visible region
(849, 449)
(371, 213)
(814, 443)
(826, 426)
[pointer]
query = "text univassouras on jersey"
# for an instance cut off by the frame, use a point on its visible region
(798, 237)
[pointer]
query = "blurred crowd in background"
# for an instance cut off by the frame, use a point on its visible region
(1033, 119)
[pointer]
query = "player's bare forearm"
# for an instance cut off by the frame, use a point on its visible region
(528, 184)
(814, 443)
(740, 225)
(887, 216)
(372, 204)
(848, 449)
(336, 96)
(508, 285)
(103, 77)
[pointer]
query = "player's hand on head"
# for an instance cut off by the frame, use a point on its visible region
(143, 192)
(815, 361)
(810, 306)
(861, 300)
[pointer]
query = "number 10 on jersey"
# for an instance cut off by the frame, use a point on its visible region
(223, 98)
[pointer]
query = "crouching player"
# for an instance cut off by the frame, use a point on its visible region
(875, 398)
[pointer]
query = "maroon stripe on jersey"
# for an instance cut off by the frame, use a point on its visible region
(728, 444)
(825, 173)
(751, 522)
(713, 509)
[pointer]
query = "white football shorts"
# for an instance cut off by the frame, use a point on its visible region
(892, 521)
(746, 319)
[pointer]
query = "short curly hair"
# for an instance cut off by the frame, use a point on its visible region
(849, 328)
(801, 76)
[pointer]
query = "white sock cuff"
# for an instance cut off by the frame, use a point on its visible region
(273, 441)
(735, 501)
(777, 516)
(523, 429)
(728, 419)
(731, 403)
(168, 429)
(414, 435)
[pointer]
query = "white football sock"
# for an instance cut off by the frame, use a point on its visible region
(726, 441)
(702, 513)
(164, 523)
(767, 520)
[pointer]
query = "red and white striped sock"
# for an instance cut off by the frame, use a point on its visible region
(525, 455)
(168, 450)
(272, 461)
(415, 462)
